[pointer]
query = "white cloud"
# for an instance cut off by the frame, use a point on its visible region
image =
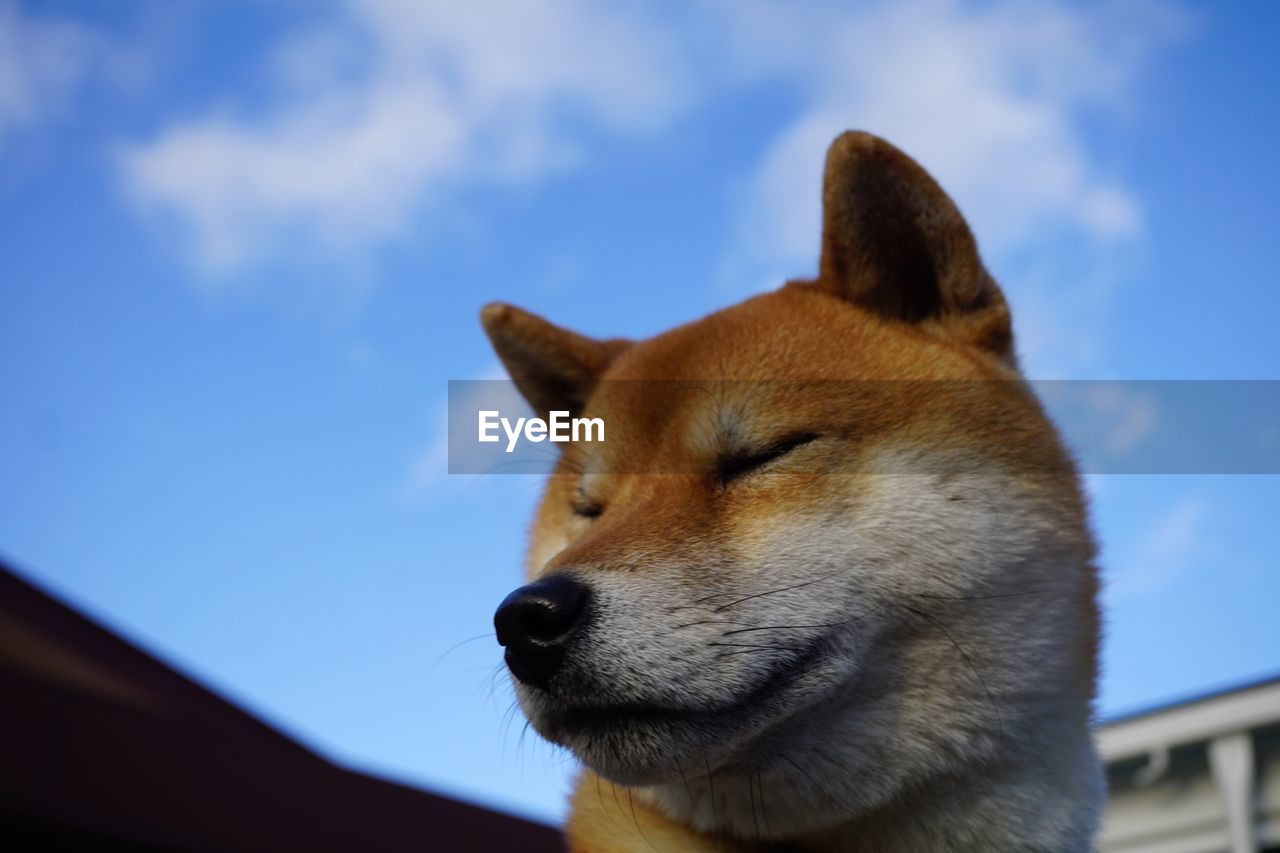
(431, 467)
(991, 98)
(1130, 415)
(395, 103)
(994, 99)
(399, 102)
(42, 61)
(1104, 421)
(1163, 552)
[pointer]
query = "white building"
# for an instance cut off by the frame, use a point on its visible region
(1201, 776)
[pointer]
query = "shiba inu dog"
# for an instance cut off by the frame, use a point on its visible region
(829, 584)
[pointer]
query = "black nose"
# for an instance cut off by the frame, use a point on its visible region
(535, 623)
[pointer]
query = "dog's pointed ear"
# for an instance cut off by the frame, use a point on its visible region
(894, 243)
(554, 368)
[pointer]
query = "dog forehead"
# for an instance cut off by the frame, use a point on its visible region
(773, 335)
(791, 361)
(796, 332)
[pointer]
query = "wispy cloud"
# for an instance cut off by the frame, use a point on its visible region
(1105, 422)
(42, 62)
(1000, 101)
(990, 97)
(1161, 554)
(397, 102)
(430, 468)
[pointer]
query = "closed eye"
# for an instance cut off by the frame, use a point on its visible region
(584, 507)
(737, 465)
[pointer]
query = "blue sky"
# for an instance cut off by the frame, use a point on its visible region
(242, 247)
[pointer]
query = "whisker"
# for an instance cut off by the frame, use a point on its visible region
(773, 646)
(841, 807)
(994, 596)
(711, 786)
(789, 627)
(775, 591)
(712, 596)
(520, 741)
(688, 789)
(697, 605)
(631, 798)
(753, 650)
(990, 698)
(495, 681)
(764, 812)
(706, 622)
(507, 718)
(751, 792)
(617, 802)
(454, 648)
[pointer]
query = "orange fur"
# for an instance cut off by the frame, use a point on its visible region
(910, 341)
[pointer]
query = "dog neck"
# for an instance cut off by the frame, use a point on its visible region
(1039, 787)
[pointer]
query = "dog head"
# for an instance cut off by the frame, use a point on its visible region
(831, 538)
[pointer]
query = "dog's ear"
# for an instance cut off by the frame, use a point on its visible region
(554, 368)
(894, 243)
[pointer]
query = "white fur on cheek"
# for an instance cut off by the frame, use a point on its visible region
(936, 610)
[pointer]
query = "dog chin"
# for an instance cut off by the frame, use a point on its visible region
(637, 745)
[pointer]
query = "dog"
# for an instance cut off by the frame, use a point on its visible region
(829, 584)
